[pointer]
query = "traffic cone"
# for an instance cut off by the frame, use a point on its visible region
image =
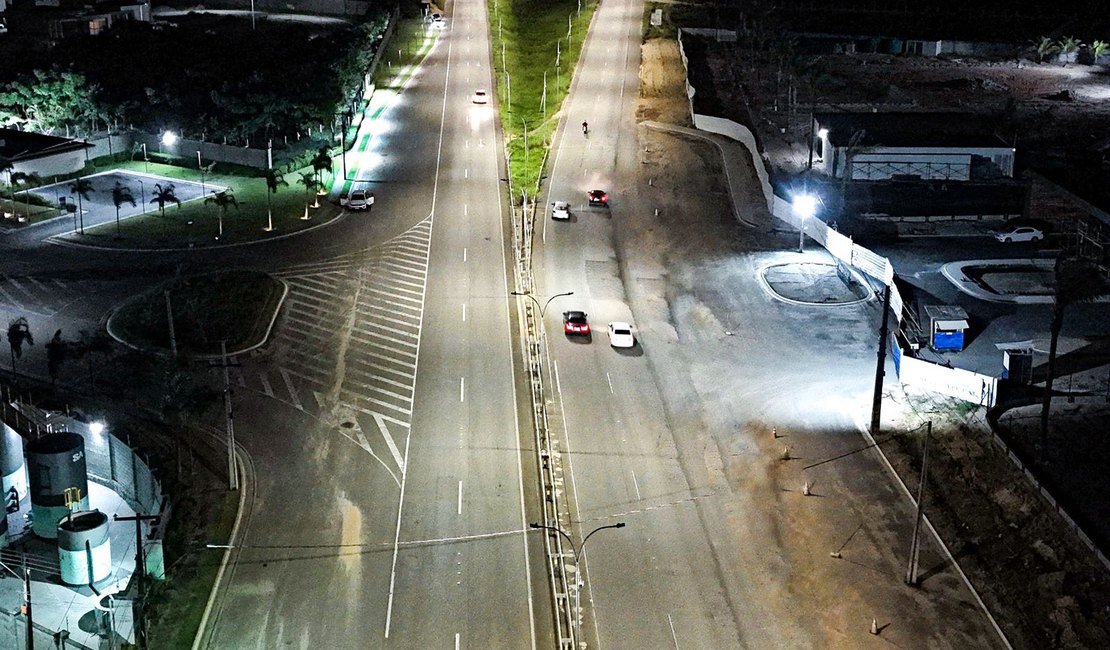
(874, 626)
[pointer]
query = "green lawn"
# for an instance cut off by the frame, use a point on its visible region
(197, 224)
(179, 602)
(526, 34)
(236, 306)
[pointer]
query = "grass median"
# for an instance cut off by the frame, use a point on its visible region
(232, 306)
(535, 48)
(196, 223)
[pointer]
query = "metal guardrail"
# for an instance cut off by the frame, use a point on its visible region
(563, 583)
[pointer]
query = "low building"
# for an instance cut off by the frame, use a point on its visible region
(909, 146)
(45, 155)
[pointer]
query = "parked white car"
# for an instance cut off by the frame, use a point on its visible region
(1019, 233)
(620, 335)
(560, 210)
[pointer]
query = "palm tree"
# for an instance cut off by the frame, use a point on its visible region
(19, 332)
(310, 184)
(274, 180)
(164, 195)
(222, 200)
(81, 187)
(321, 163)
(121, 194)
(1098, 48)
(1045, 46)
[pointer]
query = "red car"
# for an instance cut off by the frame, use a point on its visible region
(598, 198)
(574, 322)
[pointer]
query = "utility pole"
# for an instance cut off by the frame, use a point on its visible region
(880, 366)
(232, 475)
(915, 544)
(27, 604)
(169, 320)
(140, 575)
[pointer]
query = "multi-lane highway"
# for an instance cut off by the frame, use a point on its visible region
(390, 479)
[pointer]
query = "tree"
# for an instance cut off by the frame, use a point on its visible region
(1076, 281)
(1099, 48)
(163, 195)
(310, 185)
(90, 343)
(321, 163)
(223, 200)
(1045, 46)
(81, 187)
(121, 194)
(19, 332)
(47, 100)
(274, 180)
(56, 352)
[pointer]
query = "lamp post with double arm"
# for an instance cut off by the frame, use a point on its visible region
(578, 550)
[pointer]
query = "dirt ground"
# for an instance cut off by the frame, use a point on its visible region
(1043, 586)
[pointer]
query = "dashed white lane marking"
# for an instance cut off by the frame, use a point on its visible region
(456, 641)
(464, 254)
(462, 389)
(610, 380)
(674, 637)
(460, 498)
(266, 388)
(464, 312)
(636, 484)
(289, 387)
(558, 385)
(466, 173)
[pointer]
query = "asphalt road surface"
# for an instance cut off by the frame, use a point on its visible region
(390, 489)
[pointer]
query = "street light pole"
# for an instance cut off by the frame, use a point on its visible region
(543, 307)
(578, 551)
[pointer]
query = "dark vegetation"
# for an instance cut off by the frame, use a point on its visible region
(207, 75)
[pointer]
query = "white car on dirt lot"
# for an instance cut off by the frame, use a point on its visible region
(620, 335)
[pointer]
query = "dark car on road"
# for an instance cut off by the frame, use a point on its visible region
(575, 322)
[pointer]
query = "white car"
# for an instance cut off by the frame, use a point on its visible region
(560, 210)
(360, 200)
(620, 335)
(1020, 233)
(480, 97)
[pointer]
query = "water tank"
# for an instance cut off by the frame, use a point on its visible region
(55, 463)
(84, 549)
(13, 475)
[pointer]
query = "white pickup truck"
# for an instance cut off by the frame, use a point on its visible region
(358, 200)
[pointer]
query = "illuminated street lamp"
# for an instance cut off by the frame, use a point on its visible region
(804, 206)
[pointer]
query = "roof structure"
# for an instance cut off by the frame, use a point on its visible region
(17, 146)
(936, 130)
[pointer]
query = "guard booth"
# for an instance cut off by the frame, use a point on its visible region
(1017, 364)
(947, 324)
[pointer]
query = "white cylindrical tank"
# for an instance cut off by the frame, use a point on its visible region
(84, 549)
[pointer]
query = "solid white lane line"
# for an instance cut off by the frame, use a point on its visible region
(462, 389)
(460, 498)
(610, 380)
(674, 636)
(464, 312)
(636, 484)
(558, 386)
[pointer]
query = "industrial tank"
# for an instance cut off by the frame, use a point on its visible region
(13, 474)
(56, 463)
(84, 548)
